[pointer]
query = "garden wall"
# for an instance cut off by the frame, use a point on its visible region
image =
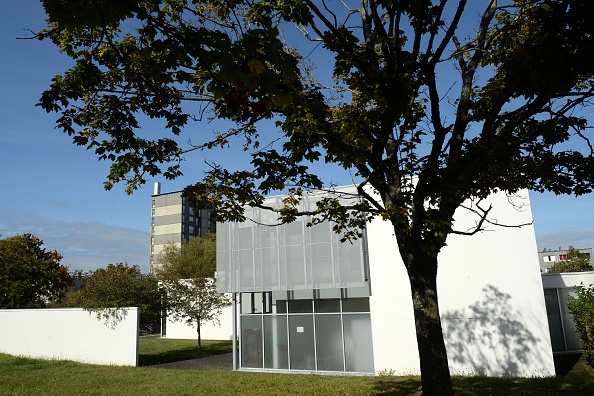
(70, 334)
(209, 330)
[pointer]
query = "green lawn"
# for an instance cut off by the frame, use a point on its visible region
(155, 350)
(22, 376)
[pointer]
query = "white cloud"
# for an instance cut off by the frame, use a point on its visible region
(84, 245)
(565, 238)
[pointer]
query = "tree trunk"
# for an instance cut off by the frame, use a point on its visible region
(198, 331)
(435, 371)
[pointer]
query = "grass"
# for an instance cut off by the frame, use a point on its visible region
(23, 376)
(155, 350)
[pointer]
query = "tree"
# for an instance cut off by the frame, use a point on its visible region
(30, 276)
(581, 308)
(118, 286)
(187, 275)
(430, 103)
(575, 262)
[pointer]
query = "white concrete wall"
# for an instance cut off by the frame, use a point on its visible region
(490, 295)
(70, 334)
(209, 330)
(567, 279)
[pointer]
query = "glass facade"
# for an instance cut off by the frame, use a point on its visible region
(304, 294)
(561, 325)
(319, 330)
(262, 255)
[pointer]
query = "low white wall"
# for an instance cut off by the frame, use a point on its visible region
(70, 334)
(564, 280)
(209, 330)
(490, 297)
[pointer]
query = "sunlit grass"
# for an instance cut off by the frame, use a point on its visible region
(23, 376)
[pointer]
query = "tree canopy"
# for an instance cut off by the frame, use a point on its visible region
(30, 276)
(118, 286)
(195, 259)
(430, 103)
(188, 284)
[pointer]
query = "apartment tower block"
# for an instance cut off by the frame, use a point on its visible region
(174, 220)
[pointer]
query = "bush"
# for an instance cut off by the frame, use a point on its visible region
(582, 309)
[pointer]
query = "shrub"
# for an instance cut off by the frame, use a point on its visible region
(582, 309)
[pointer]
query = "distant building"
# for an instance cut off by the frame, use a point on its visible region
(548, 257)
(173, 220)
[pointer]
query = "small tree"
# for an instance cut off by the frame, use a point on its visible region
(576, 262)
(187, 276)
(118, 286)
(30, 276)
(582, 310)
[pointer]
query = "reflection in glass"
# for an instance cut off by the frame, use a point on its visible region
(554, 318)
(358, 347)
(329, 343)
(251, 341)
(276, 344)
(301, 342)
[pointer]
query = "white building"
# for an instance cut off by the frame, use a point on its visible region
(306, 302)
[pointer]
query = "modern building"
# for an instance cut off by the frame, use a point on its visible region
(548, 257)
(305, 302)
(174, 220)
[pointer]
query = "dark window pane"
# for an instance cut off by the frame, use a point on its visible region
(300, 306)
(330, 305)
(355, 305)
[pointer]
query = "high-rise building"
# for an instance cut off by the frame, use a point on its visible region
(174, 220)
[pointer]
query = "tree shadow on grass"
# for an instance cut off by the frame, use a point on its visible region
(180, 353)
(395, 385)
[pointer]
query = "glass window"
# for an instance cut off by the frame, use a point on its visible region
(355, 305)
(301, 342)
(251, 341)
(554, 318)
(300, 306)
(358, 347)
(246, 303)
(325, 306)
(329, 343)
(571, 338)
(276, 343)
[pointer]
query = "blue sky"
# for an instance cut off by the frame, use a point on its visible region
(54, 190)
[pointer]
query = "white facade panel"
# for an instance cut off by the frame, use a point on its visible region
(493, 311)
(70, 334)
